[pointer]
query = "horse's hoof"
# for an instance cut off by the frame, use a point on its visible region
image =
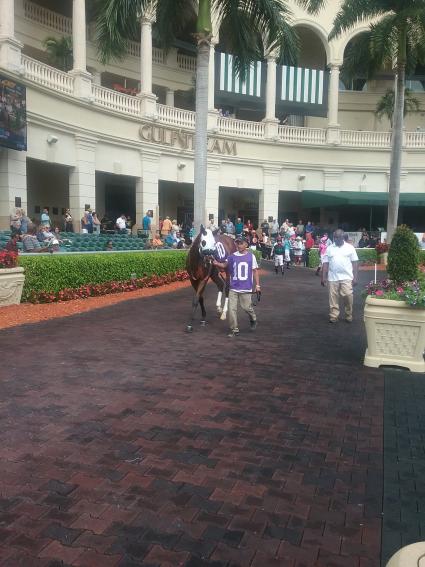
(223, 316)
(189, 328)
(219, 312)
(203, 323)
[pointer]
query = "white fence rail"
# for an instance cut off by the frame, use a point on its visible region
(47, 18)
(176, 116)
(302, 135)
(415, 140)
(365, 139)
(118, 102)
(241, 128)
(47, 76)
(186, 62)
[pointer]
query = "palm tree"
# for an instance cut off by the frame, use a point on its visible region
(396, 41)
(251, 22)
(59, 52)
(385, 105)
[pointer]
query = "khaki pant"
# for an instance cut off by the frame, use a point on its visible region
(343, 289)
(244, 300)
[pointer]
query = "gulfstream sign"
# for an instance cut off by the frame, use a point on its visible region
(184, 140)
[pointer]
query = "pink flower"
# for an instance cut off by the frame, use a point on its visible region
(379, 293)
(400, 290)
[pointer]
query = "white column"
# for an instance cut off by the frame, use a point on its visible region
(146, 54)
(269, 196)
(79, 35)
(82, 78)
(333, 135)
(13, 183)
(10, 47)
(148, 106)
(169, 97)
(271, 122)
(213, 186)
(82, 179)
(147, 197)
(212, 112)
(271, 89)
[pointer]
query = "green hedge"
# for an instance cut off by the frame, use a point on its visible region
(366, 255)
(54, 273)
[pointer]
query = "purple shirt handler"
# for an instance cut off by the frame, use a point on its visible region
(242, 270)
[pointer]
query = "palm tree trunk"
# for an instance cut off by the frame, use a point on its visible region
(396, 152)
(201, 135)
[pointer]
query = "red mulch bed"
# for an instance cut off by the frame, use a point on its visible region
(14, 315)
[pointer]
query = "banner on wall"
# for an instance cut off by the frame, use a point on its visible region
(13, 114)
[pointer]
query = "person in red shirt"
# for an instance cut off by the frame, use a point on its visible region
(309, 243)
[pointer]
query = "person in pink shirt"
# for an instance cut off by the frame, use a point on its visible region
(323, 246)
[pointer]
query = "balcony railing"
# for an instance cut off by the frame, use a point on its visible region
(47, 18)
(365, 139)
(176, 116)
(118, 102)
(186, 62)
(415, 140)
(61, 82)
(301, 135)
(47, 76)
(241, 128)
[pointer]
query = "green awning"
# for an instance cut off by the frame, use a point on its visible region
(312, 199)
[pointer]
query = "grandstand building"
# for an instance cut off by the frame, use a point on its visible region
(291, 142)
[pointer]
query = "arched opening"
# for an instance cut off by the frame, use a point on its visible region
(312, 50)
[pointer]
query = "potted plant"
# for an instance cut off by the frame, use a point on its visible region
(395, 308)
(382, 252)
(11, 279)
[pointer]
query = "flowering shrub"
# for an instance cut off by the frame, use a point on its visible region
(8, 259)
(413, 293)
(94, 290)
(382, 247)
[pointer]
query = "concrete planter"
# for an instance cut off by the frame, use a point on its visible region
(383, 258)
(11, 285)
(395, 334)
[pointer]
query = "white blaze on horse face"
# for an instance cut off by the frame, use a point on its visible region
(207, 241)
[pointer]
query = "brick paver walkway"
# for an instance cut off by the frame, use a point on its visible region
(126, 442)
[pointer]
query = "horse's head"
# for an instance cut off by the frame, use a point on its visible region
(207, 242)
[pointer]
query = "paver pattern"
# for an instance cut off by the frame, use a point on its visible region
(126, 442)
(404, 461)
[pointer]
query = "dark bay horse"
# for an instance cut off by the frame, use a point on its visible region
(199, 265)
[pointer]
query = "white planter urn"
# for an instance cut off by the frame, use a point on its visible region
(395, 334)
(11, 285)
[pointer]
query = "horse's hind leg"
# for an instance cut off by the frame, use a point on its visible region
(203, 312)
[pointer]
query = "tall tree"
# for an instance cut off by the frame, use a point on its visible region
(253, 24)
(396, 40)
(385, 105)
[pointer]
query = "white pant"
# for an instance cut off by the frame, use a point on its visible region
(278, 260)
(287, 256)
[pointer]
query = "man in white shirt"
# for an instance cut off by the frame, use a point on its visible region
(340, 265)
(121, 224)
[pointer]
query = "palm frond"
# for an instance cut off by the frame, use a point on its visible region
(312, 6)
(172, 18)
(117, 23)
(354, 11)
(256, 27)
(359, 60)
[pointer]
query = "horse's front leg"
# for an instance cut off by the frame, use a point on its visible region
(226, 301)
(218, 303)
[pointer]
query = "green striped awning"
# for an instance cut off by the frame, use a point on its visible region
(229, 84)
(302, 91)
